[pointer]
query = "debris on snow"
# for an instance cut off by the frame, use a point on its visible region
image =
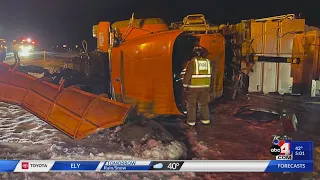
(152, 141)
(199, 148)
(24, 136)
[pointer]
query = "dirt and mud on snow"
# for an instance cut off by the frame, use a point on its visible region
(249, 137)
(24, 136)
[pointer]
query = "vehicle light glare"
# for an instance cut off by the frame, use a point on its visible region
(25, 50)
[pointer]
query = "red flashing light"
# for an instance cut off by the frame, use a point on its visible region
(33, 42)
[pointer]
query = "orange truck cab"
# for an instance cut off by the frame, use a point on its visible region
(146, 59)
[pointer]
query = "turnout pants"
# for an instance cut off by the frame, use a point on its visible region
(16, 57)
(2, 57)
(198, 97)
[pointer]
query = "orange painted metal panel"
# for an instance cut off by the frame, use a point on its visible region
(14, 85)
(79, 114)
(103, 36)
(147, 72)
(132, 33)
(40, 98)
(75, 112)
(104, 113)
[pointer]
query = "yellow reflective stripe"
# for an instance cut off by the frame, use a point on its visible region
(197, 68)
(198, 86)
(201, 76)
(195, 86)
(209, 68)
(183, 71)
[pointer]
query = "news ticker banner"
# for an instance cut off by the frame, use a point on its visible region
(160, 166)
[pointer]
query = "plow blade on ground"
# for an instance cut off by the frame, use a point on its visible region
(75, 112)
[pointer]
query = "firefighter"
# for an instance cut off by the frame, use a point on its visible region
(288, 123)
(197, 81)
(15, 49)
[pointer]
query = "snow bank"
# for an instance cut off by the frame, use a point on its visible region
(24, 136)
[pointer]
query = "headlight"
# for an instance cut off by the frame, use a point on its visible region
(25, 50)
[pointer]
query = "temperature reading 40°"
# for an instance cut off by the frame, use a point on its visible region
(173, 166)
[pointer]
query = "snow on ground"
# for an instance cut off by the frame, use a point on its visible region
(24, 136)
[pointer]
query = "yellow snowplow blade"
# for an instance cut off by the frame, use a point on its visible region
(75, 112)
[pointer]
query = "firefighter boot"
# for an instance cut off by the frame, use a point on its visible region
(191, 123)
(206, 122)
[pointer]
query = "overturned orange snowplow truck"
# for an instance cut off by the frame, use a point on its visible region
(147, 67)
(145, 60)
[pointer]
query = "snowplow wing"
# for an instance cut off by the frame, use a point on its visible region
(74, 112)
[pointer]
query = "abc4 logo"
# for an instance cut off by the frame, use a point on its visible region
(283, 150)
(275, 150)
(280, 148)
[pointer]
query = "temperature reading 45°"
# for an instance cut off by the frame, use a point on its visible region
(173, 166)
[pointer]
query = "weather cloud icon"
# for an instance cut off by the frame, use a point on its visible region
(158, 166)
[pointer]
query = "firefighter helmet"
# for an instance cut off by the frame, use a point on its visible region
(198, 50)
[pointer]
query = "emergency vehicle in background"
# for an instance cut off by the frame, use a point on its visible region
(3, 42)
(27, 46)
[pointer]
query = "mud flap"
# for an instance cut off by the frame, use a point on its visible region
(74, 112)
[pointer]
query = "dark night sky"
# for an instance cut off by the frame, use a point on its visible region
(56, 22)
